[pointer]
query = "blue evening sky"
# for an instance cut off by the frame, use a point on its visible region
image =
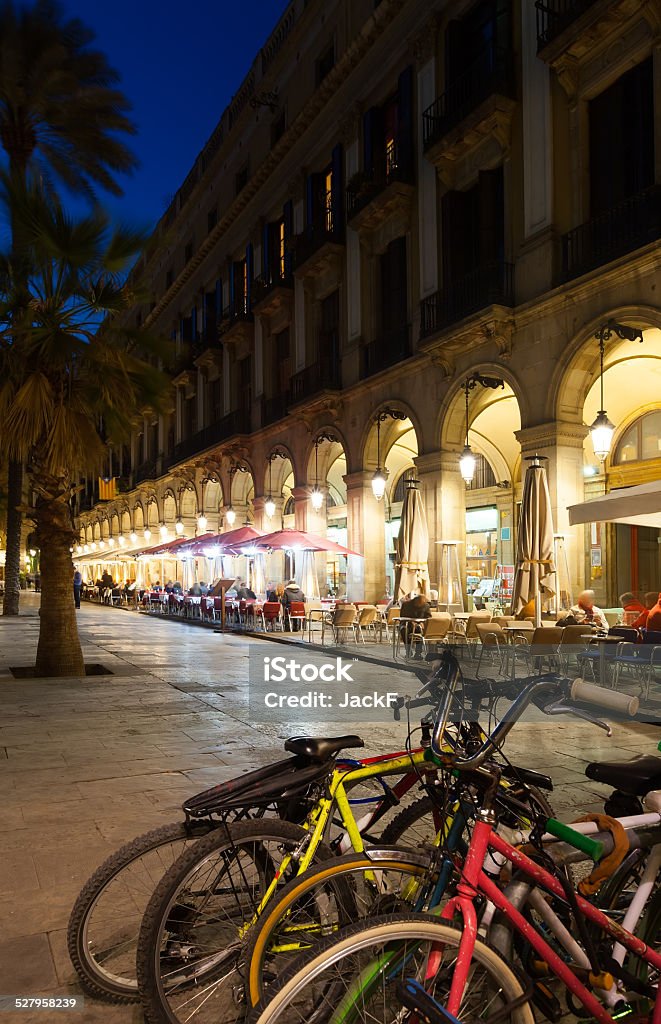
(180, 64)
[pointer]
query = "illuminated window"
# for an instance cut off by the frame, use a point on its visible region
(328, 200)
(244, 297)
(281, 248)
(641, 441)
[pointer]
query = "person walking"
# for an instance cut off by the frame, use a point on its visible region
(77, 587)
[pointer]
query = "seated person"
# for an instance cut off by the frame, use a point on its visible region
(630, 603)
(177, 587)
(168, 587)
(196, 590)
(243, 591)
(292, 592)
(204, 590)
(654, 617)
(586, 612)
(414, 606)
(649, 601)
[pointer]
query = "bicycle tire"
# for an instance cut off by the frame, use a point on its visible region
(339, 875)
(83, 950)
(302, 976)
(163, 910)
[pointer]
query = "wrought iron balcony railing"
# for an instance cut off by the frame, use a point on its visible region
(275, 408)
(239, 312)
(324, 375)
(315, 236)
(489, 284)
(634, 222)
(263, 285)
(367, 185)
(492, 72)
(554, 16)
(392, 347)
(146, 471)
(236, 422)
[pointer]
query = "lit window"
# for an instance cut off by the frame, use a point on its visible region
(641, 441)
(328, 200)
(281, 247)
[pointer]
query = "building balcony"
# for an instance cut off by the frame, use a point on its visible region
(631, 224)
(390, 348)
(236, 324)
(474, 112)
(236, 422)
(319, 248)
(554, 16)
(491, 284)
(147, 470)
(210, 351)
(271, 293)
(314, 380)
(274, 408)
(375, 196)
(184, 367)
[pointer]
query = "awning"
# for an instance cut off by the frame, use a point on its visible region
(638, 506)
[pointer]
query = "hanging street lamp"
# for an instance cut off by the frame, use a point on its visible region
(467, 459)
(316, 494)
(602, 430)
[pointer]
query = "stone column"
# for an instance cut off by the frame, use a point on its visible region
(534, 269)
(366, 577)
(179, 416)
(452, 507)
(299, 325)
(227, 381)
(201, 397)
(427, 204)
(562, 444)
(259, 356)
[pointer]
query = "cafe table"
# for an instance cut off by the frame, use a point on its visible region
(603, 641)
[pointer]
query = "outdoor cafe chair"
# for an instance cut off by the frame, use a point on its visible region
(541, 652)
(295, 613)
(467, 631)
(314, 616)
(388, 619)
(272, 612)
(641, 660)
(432, 631)
(368, 617)
(344, 618)
(494, 645)
(572, 646)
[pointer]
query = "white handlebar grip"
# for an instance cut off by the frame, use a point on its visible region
(607, 699)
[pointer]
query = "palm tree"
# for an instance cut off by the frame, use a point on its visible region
(61, 114)
(80, 379)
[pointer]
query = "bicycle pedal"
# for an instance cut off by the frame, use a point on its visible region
(547, 1002)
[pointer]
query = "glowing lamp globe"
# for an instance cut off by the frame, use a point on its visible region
(467, 465)
(179, 526)
(133, 537)
(163, 530)
(601, 433)
(317, 499)
(202, 522)
(269, 508)
(378, 484)
(147, 534)
(230, 516)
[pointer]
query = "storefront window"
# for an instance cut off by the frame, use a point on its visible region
(481, 548)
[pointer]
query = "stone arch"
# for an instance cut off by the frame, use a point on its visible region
(333, 463)
(169, 502)
(105, 528)
(368, 439)
(212, 495)
(578, 368)
(152, 510)
(451, 417)
(138, 516)
(281, 469)
(188, 502)
(125, 521)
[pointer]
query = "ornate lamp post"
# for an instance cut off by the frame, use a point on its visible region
(602, 430)
(467, 460)
(381, 475)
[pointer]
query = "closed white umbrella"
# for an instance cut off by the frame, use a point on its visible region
(307, 576)
(535, 567)
(412, 545)
(259, 573)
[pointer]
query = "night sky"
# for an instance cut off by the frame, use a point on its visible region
(180, 64)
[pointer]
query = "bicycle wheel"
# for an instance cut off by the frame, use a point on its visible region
(326, 898)
(190, 961)
(352, 977)
(102, 932)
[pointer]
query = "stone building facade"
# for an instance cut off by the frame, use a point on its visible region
(403, 193)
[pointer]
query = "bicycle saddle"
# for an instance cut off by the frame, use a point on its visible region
(635, 777)
(321, 749)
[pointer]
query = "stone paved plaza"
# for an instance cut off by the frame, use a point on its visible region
(85, 765)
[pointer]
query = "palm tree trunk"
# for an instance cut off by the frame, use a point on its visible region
(59, 652)
(14, 525)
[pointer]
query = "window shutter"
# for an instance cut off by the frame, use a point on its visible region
(405, 121)
(250, 273)
(193, 323)
(337, 189)
(219, 298)
(232, 286)
(266, 252)
(288, 215)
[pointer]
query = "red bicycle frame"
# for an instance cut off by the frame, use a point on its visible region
(474, 881)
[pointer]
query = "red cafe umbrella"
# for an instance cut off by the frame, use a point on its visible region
(284, 540)
(174, 547)
(226, 543)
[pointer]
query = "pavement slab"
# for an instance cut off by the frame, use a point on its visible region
(88, 764)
